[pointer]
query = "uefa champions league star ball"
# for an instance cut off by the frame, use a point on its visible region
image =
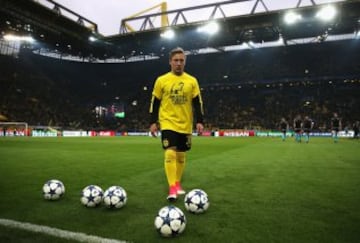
(115, 197)
(170, 221)
(91, 196)
(196, 201)
(53, 189)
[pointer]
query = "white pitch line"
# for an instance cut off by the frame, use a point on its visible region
(65, 234)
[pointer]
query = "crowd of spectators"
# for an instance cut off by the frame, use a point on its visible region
(248, 89)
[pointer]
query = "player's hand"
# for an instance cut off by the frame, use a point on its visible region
(199, 128)
(154, 130)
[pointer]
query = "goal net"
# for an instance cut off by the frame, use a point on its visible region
(11, 129)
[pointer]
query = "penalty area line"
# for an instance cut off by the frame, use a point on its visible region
(65, 234)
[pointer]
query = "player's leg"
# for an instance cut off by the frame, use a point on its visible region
(184, 145)
(298, 136)
(336, 138)
(334, 132)
(168, 141)
(307, 137)
(180, 166)
(170, 171)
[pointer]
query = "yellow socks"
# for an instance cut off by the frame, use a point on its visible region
(174, 166)
(180, 165)
(170, 166)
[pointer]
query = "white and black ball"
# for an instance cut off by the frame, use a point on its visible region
(170, 221)
(91, 196)
(115, 197)
(196, 201)
(53, 189)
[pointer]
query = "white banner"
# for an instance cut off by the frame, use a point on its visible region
(75, 134)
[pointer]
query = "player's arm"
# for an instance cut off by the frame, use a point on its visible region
(199, 113)
(154, 114)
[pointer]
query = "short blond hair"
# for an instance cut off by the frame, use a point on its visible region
(175, 51)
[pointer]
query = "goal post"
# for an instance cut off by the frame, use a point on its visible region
(10, 129)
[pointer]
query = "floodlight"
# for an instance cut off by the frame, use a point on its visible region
(10, 37)
(326, 13)
(292, 17)
(357, 34)
(250, 44)
(210, 28)
(92, 39)
(280, 40)
(168, 34)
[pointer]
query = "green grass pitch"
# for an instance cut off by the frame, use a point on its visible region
(260, 189)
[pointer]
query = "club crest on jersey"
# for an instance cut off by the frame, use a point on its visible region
(165, 143)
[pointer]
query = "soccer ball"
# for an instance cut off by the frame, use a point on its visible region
(170, 221)
(115, 197)
(91, 196)
(53, 189)
(196, 201)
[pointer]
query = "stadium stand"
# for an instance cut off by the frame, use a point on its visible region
(244, 89)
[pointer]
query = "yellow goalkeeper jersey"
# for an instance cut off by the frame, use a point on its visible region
(176, 94)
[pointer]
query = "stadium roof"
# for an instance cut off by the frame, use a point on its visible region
(63, 32)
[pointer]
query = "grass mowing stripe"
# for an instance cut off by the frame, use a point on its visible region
(65, 234)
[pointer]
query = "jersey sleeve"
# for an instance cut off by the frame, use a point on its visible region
(157, 91)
